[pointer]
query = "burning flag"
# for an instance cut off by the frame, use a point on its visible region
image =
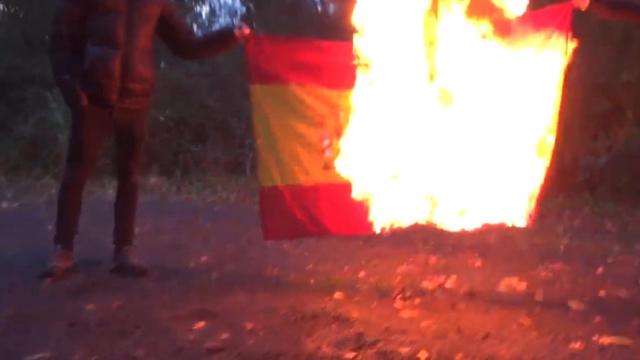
(448, 118)
(300, 94)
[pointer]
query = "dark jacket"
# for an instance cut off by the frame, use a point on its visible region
(102, 50)
(617, 9)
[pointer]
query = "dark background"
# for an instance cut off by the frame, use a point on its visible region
(200, 125)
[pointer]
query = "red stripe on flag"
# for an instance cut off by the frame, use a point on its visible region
(301, 61)
(553, 19)
(297, 211)
(556, 17)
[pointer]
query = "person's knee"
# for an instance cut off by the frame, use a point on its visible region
(129, 174)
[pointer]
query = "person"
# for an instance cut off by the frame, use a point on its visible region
(101, 54)
(614, 9)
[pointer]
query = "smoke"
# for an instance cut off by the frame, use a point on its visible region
(210, 15)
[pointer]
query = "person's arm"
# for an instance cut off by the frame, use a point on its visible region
(613, 9)
(67, 47)
(183, 42)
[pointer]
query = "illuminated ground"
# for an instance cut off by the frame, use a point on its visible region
(219, 291)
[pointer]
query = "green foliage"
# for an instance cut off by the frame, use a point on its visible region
(205, 121)
(33, 125)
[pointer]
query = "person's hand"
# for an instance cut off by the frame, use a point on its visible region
(582, 5)
(243, 31)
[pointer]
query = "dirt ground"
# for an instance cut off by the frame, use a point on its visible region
(567, 288)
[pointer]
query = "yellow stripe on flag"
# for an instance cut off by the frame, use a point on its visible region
(297, 131)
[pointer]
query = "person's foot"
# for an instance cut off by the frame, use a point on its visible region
(125, 263)
(62, 265)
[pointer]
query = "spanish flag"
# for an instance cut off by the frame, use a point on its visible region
(300, 92)
(300, 97)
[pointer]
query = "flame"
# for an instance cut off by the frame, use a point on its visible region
(451, 123)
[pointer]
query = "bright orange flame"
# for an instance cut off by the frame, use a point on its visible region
(450, 123)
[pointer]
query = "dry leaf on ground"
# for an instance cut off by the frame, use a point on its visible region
(608, 340)
(426, 323)
(512, 284)
(199, 325)
(576, 305)
(406, 268)
(451, 282)
(433, 282)
(475, 261)
(623, 293)
(577, 345)
(350, 355)
(423, 355)
(408, 314)
(525, 321)
(398, 304)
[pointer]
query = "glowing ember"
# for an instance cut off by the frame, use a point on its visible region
(451, 123)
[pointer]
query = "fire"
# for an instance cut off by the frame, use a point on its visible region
(452, 123)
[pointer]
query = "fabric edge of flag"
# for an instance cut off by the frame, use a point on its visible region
(305, 211)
